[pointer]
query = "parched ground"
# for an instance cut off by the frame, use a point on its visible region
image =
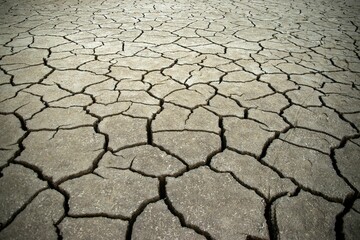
(179, 119)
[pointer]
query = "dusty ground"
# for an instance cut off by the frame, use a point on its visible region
(179, 119)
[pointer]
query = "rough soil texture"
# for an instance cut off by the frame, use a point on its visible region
(184, 119)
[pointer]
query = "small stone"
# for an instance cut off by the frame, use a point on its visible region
(93, 228)
(191, 146)
(309, 168)
(63, 153)
(124, 131)
(252, 173)
(37, 220)
(217, 204)
(109, 191)
(157, 221)
(305, 217)
(246, 135)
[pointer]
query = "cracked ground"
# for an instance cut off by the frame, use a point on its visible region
(182, 119)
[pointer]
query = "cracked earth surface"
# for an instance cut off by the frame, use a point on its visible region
(179, 119)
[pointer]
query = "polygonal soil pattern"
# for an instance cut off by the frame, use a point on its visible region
(180, 119)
